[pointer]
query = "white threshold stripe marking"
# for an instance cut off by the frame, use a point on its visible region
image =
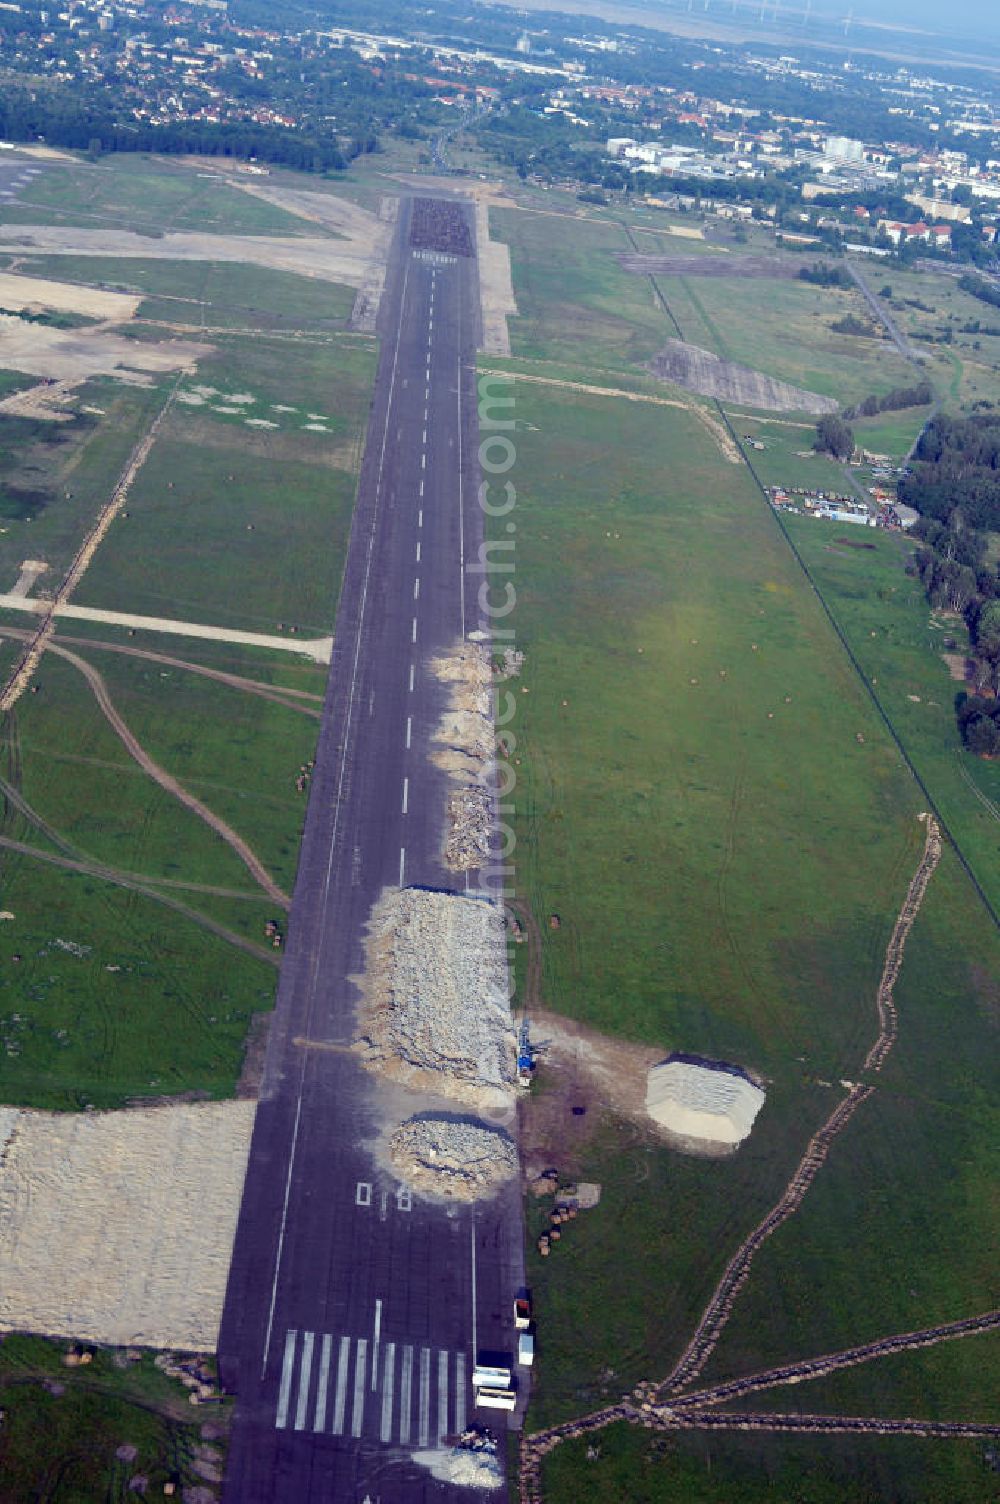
(442, 1425)
(284, 1392)
(305, 1372)
(358, 1408)
(388, 1381)
(402, 864)
(459, 1393)
(406, 800)
(340, 1395)
(405, 1381)
(424, 1433)
(323, 1383)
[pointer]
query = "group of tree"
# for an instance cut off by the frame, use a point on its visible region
(952, 564)
(899, 398)
(834, 436)
(821, 274)
(986, 292)
(956, 468)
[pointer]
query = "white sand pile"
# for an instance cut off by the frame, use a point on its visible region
(434, 1012)
(466, 745)
(454, 1157)
(703, 1101)
(471, 1464)
(117, 1227)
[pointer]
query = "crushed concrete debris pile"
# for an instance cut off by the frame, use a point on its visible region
(453, 1157)
(435, 1013)
(466, 749)
(471, 1464)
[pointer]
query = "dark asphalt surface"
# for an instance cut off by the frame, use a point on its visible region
(354, 1312)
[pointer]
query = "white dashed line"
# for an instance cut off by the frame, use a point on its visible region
(418, 551)
(402, 864)
(406, 794)
(409, 729)
(425, 436)
(423, 462)
(411, 678)
(416, 589)
(421, 488)
(420, 518)
(413, 631)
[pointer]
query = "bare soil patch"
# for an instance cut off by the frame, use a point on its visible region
(77, 354)
(700, 371)
(17, 292)
(958, 665)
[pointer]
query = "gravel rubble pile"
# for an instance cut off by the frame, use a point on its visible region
(452, 1157)
(435, 1013)
(471, 1464)
(465, 743)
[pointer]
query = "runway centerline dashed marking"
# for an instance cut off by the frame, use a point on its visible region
(418, 550)
(421, 488)
(406, 800)
(416, 588)
(420, 518)
(409, 729)
(411, 678)
(402, 864)
(413, 633)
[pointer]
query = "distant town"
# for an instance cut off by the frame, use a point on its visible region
(887, 160)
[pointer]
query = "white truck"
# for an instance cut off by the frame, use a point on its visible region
(493, 1387)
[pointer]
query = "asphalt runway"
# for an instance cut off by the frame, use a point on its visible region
(354, 1310)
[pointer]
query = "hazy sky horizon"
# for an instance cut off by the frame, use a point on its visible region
(964, 17)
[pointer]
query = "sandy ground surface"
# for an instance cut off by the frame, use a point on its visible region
(117, 1227)
(76, 354)
(48, 401)
(700, 371)
(316, 648)
(18, 292)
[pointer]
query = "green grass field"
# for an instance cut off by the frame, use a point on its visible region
(726, 833)
(213, 293)
(64, 1426)
(148, 194)
(898, 642)
(247, 526)
(640, 1468)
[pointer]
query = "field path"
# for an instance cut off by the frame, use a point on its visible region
(136, 885)
(166, 780)
(278, 693)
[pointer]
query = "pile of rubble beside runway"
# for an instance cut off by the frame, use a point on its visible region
(435, 1012)
(454, 1157)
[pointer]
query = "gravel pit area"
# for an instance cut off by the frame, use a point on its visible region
(471, 1464)
(117, 1227)
(456, 1158)
(434, 1013)
(700, 371)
